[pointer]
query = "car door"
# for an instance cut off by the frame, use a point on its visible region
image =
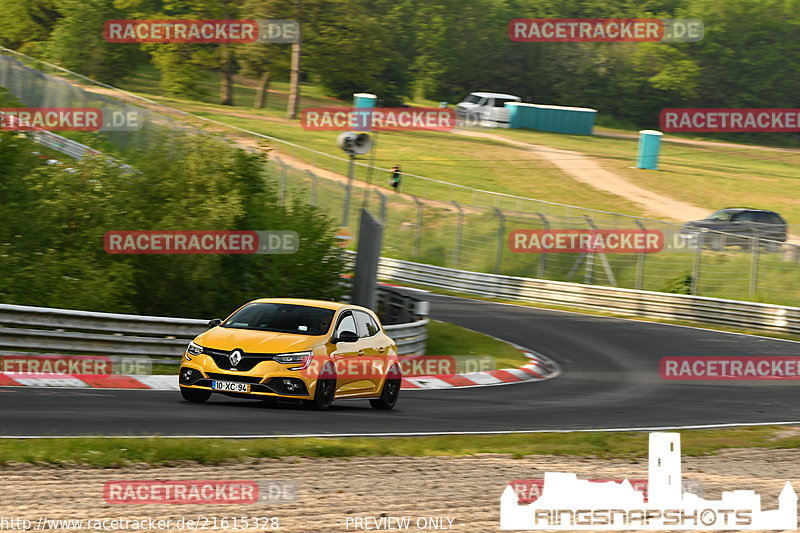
(375, 348)
(344, 353)
(350, 358)
(744, 224)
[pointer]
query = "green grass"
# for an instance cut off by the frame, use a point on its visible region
(117, 452)
(448, 339)
(477, 163)
(711, 177)
(707, 176)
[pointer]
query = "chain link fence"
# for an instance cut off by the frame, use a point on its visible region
(468, 237)
(446, 224)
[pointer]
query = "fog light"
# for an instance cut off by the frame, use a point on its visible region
(290, 385)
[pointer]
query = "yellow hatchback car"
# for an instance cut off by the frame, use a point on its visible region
(309, 350)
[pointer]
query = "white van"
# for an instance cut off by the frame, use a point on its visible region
(486, 109)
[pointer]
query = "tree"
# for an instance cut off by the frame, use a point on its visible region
(294, 74)
(77, 43)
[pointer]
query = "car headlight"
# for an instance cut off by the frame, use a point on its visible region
(300, 360)
(194, 349)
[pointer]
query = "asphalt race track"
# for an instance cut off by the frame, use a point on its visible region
(609, 379)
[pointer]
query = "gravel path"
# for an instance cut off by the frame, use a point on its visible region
(465, 489)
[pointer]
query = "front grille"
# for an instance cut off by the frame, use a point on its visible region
(248, 362)
(234, 377)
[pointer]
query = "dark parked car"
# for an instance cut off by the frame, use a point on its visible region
(737, 226)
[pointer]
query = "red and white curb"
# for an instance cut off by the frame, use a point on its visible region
(539, 368)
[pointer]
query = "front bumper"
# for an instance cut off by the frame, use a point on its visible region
(274, 380)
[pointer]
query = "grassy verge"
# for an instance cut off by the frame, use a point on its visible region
(115, 452)
(710, 176)
(448, 339)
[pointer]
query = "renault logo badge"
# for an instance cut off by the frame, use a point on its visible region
(235, 357)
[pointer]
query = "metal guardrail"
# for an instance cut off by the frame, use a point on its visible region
(645, 304)
(44, 329)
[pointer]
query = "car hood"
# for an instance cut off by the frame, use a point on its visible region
(466, 105)
(256, 341)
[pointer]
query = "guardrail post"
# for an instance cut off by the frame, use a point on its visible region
(640, 261)
(754, 265)
(698, 254)
(348, 190)
(603, 259)
(418, 227)
(543, 256)
(501, 233)
(459, 226)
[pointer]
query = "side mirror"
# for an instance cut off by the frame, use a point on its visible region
(214, 322)
(345, 336)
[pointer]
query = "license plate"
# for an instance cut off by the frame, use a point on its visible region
(230, 386)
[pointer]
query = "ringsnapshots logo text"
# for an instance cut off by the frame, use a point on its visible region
(605, 30)
(69, 119)
(569, 503)
(377, 119)
(201, 242)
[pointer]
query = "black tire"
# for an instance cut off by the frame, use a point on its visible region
(325, 391)
(390, 391)
(195, 395)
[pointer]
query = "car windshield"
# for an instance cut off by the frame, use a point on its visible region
(282, 318)
(472, 99)
(723, 215)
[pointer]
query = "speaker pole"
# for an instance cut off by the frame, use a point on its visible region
(351, 172)
(365, 201)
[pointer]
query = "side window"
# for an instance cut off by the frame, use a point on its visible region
(366, 324)
(763, 218)
(346, 324)
(746, 216)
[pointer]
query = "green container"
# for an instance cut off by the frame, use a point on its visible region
(556, 119)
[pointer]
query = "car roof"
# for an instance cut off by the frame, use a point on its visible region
(494, 95)
(322, 304)
(746, 209)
